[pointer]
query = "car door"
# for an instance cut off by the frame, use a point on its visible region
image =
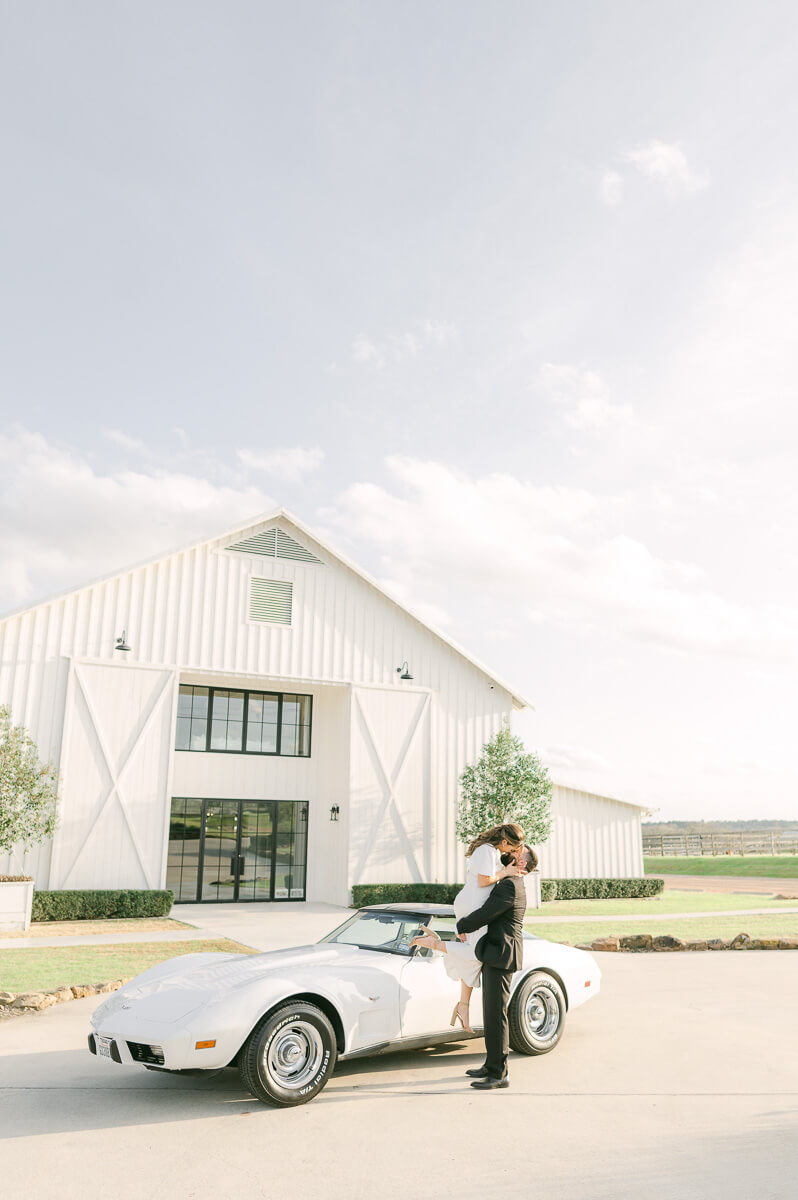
(427, 994)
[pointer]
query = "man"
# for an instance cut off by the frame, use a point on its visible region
(500, 950)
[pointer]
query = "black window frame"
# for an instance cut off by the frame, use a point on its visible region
(208, 749)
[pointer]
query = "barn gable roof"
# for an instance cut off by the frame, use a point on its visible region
(249, 538)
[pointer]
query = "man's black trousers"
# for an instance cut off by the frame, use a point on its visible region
(495, 994)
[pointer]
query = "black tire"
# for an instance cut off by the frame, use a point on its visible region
(537, 1014)
(289, 1056)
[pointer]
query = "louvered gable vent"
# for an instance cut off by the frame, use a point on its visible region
(274, 543)
(270, 601)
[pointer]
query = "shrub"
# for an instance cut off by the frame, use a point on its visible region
(364, 894)
(548, 889)
(16, 879)
(607, 889)
(95, 906)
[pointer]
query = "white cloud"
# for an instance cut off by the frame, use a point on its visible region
(290, 463)
(575, 757)
(401, 347)
(611, 187)
(63, 523)
(667, 163)
(557, 555)
(583, 398)
(125, 440)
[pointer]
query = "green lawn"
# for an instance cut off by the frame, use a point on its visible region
(691, 928)
(61, 966)
(773, 866)
(658, 906)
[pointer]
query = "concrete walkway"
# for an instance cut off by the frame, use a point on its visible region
(262, 926)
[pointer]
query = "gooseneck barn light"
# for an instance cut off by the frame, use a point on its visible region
(121, 642)
(405, 669)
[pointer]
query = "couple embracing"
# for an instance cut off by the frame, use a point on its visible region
(490, 914)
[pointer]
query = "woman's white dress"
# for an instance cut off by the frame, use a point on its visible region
(460, 959)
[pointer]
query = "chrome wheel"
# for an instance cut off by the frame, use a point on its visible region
(295, 1054)
(541, 1013)
(536, 1014)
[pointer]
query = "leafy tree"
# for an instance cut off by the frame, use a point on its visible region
(506, 784)
(28, 788)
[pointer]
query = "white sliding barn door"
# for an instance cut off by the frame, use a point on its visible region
(390, 803)
(115, 771)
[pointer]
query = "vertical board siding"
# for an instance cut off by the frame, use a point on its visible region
(592, 837)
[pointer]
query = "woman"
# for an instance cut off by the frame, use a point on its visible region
(484, 871)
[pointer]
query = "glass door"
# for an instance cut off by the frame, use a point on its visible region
(227, 850)
(220, 850)
(256, 857)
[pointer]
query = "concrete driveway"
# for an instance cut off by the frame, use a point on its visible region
(680, 1080)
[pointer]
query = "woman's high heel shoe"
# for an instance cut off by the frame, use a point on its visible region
(457, 1015)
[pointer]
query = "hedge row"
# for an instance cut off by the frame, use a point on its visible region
(607, 889)
(93, 906)
(550, 889)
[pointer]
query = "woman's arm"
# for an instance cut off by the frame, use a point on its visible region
(504, 873)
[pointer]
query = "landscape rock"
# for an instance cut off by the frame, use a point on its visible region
(788, 942)
(636, 941)
(584, 946)
(62, 994)
(765, 944)
(667, 941)
(607, 944)
(34, 1001)
(81, 990)
(717, 944)
(699, 945)
(741, 942)
(7, 997)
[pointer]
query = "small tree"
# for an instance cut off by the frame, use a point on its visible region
(28, 788)
(506, 784)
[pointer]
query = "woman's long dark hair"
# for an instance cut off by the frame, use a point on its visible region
(513, 834)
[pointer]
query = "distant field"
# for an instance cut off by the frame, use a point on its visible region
(691, 928)
(772, 866)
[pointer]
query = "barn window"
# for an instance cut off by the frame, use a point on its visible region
(237, 722)
(270, 601)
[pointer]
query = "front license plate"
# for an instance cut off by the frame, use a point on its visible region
(104, 1047)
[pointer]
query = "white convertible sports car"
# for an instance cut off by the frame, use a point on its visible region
(285, 1017)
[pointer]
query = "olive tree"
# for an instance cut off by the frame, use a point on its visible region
(506, 784)
(28, 788)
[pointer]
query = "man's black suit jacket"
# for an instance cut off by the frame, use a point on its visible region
(503, 913)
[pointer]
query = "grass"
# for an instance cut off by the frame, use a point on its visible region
(658, 906)
(37, 970)
(758, 866)
(691, 929)
(51, 929)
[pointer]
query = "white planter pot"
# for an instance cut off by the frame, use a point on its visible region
(532, 885)
(16, 900)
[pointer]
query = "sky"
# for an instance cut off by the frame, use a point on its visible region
(499, 298)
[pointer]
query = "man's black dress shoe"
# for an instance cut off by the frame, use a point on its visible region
(489, 1083)
(477, 1073)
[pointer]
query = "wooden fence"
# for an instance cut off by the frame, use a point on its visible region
(678, 844)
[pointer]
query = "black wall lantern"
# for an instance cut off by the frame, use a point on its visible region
(334, 811)
(121, 642)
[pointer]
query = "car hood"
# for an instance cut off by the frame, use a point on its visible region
(176, 987)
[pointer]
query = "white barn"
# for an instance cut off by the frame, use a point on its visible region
(254, 718)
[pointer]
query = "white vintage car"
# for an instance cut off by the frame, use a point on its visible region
(285, 1017)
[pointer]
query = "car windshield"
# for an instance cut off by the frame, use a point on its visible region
(388, 932)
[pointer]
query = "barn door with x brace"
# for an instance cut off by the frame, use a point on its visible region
(390, 823)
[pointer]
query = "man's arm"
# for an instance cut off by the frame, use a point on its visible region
(501, 898)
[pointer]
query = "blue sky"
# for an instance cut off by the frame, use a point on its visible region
(500, 298)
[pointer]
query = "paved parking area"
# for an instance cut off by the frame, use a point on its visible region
(680, 1080)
